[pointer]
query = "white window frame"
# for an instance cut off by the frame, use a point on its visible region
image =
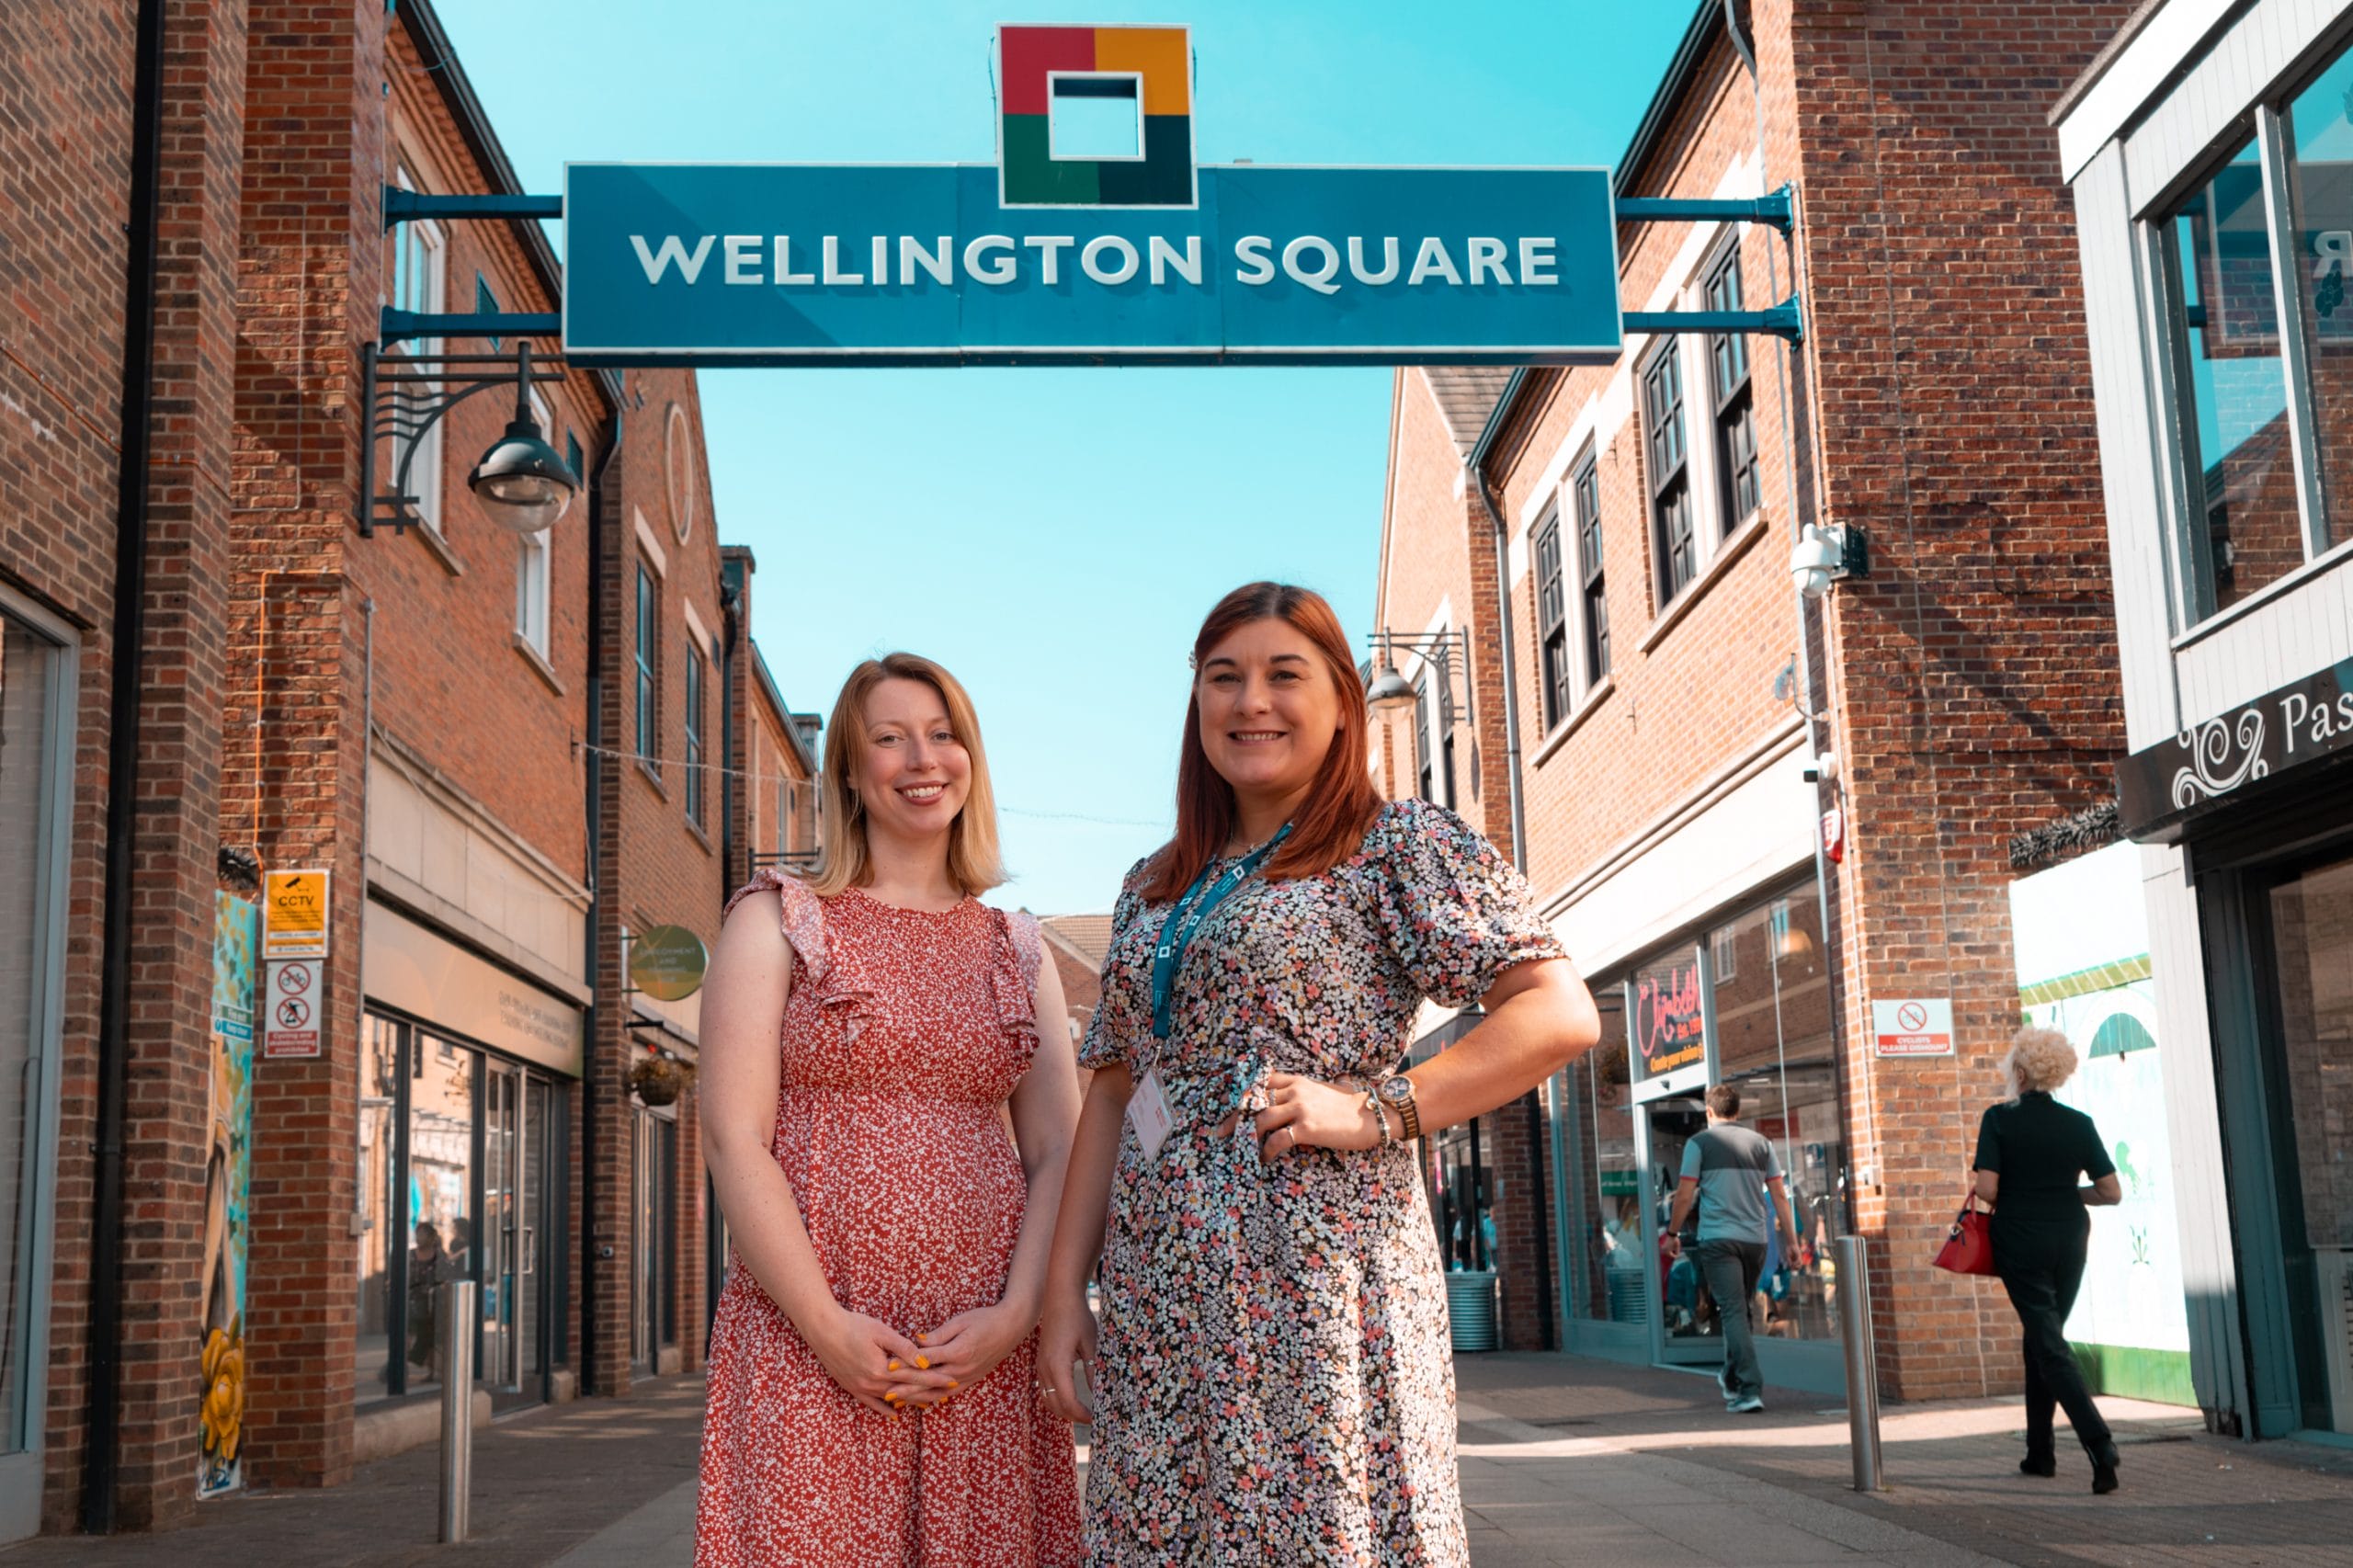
(532, 561)
(415, 241)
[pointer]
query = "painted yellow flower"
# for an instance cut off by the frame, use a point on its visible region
(224, 1394)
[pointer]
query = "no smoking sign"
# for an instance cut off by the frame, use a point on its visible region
(292, 1030)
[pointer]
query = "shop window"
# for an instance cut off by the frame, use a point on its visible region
(2241, 527)
(1584, 493)
(2320, 179)
(383, 1210)
(1614, 1268)
(1769, 989)
(1672, 543)
(649, 614)
(697, 678)
(1735, 405)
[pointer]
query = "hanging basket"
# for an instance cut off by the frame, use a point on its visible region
(659, 1080)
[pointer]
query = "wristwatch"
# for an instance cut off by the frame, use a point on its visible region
(1397, 1094)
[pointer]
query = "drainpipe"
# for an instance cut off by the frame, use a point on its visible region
(101, 1468)
(1537, 1185)
(730, 604)
(591, 1254)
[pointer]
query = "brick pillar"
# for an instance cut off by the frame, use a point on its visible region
(169, 1021)
(600, 1353)
(1971, 681)
(1520, 1167)
(312, 275)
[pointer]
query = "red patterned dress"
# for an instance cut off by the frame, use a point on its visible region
(905, 1032)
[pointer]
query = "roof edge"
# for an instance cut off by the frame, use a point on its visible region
(1706, 23)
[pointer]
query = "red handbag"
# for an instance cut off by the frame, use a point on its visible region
(1968, 1246)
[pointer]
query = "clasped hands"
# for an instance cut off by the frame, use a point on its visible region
(887, 1372)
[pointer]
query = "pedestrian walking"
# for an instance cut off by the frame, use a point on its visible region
(1273, 1382)
(872, 1398)
(1730, 1176)
(2031, 1151)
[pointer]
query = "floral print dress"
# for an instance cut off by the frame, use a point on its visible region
(905, 1032)
(1274, 1383)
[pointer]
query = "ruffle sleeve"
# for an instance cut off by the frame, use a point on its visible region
(1123, 1015)
(828, 984)
(1455, 912)
(1013, 979)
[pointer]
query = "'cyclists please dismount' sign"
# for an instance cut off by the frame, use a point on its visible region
(1094, 238)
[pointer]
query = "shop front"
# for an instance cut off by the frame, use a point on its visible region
(2211, 153)
(1744, 1001)
(465, 1109)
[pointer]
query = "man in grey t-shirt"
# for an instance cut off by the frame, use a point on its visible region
(1729, 1172)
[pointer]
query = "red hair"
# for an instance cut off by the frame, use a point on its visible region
(1342, 802)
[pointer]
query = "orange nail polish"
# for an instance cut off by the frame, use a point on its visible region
(923, 1339)
(951, 1382)
(925, 1362)
(895, 1366)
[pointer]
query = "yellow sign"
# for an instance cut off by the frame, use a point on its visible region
(668, 962)
(294, 914)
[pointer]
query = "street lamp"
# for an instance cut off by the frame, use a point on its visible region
(523, 485)
(1390, 692)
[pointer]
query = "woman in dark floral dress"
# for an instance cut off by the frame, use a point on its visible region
(1273, 1382)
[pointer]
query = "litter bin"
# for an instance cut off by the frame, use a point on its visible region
(1470, 1306)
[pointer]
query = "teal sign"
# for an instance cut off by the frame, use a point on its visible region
(930, 265)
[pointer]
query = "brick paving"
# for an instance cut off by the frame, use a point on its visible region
(546, 1481)
(2189, 1498)
(1564, 1460)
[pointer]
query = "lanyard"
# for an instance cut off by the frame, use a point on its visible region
(1186, 919)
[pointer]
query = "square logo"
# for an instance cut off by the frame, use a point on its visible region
(1095, 117)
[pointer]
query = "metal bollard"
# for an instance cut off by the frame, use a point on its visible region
(455, 1330)
(1862, 1360)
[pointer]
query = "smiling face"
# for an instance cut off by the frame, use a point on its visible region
(1268, 709)
(910, 770)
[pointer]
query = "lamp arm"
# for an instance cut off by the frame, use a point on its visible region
(391, 425)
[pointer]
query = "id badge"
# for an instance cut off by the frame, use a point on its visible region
(1148, 1113)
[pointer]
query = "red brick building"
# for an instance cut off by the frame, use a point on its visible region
(511, 756)
(1670, 690)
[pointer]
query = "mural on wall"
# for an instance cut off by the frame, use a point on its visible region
(2083, 961)
(228, 1170)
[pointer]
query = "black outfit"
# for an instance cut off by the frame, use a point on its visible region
(2042, 1232)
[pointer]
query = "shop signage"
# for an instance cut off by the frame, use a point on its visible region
(1917, 1026)
(2308, 722)
(290, 1021)
(1670, 1022)
(1050, 256)
(426, 974)
(228, 1192)
(295, 914)
(667, 962)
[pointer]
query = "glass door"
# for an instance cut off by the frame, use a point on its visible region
(33, 751)
(502, 1219)
(1683, 1324)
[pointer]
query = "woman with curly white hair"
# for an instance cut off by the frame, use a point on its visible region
(2030, 1153)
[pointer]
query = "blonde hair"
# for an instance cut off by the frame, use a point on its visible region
(971, 840)
(2039, 1060)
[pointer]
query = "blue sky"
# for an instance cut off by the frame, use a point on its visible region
(1053, 535)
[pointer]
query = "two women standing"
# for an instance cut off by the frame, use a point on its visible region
(1272, 1380)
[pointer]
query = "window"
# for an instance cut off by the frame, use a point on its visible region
(2320, 158)
(419, 259)
(487, 305)
(1670, 473)
(1584, 493)
(1552, 622)
(696, 669)
(648, 626)
(1424, 772)
(531, 571)
(1734, 404)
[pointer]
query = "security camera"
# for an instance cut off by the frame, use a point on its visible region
(1814, 769)
(1825, 555)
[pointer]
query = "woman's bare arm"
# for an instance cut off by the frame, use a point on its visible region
(1066, 1329)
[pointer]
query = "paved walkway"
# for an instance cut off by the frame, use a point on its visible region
(1564, 1461)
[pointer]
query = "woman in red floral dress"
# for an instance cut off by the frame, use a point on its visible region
(872, 1398)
